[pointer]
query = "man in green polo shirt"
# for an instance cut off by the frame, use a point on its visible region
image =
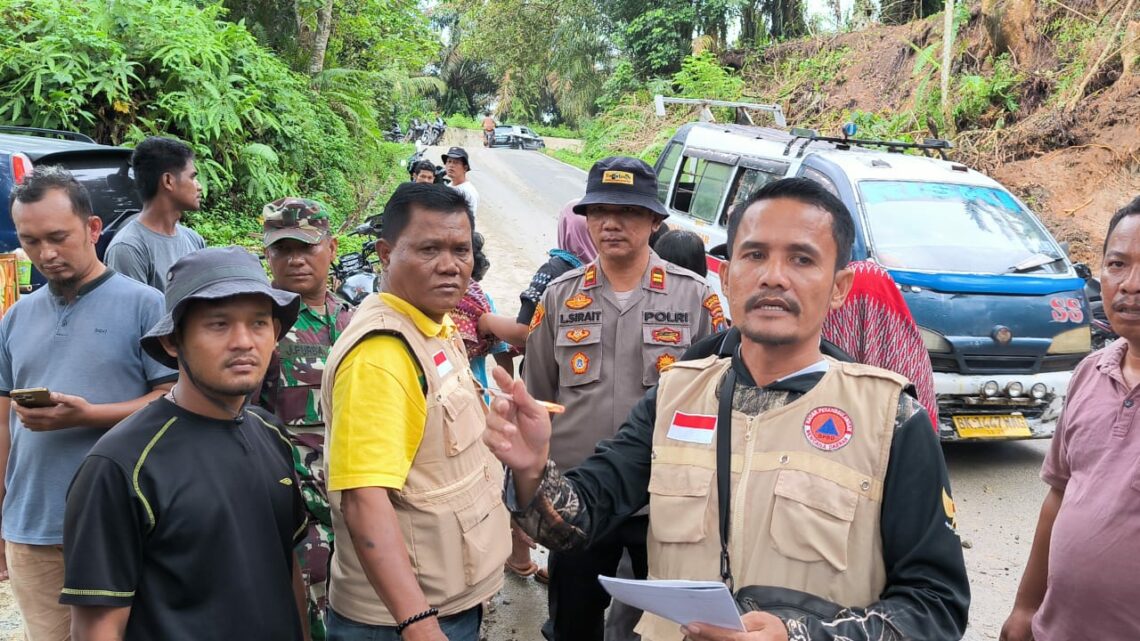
(300, 251)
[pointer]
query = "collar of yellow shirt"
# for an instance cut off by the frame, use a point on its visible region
(427, 326)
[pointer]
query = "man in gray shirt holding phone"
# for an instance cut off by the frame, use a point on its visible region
(78, 338)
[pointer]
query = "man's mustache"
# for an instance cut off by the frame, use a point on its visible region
(767, 298)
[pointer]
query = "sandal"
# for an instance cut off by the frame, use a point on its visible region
(523, 572)
(542, 576)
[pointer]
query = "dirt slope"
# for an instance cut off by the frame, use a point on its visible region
(1074, 167)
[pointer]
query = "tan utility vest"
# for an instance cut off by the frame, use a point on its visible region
(451, 513)
(803, 517)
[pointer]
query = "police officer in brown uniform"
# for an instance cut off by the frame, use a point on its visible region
(815, 487)
(599, 339)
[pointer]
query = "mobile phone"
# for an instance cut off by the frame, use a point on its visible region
(32, 397)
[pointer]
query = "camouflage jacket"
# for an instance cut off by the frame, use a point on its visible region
(292, 386)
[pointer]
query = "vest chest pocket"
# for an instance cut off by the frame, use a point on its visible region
(577, 348)
(811, 518)
(678, 502)
(464, 421)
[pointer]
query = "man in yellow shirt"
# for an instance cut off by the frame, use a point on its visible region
(411, 484)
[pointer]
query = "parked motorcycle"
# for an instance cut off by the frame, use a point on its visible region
(434, 132)
(415, 130)
(356, 274)
(395, 134)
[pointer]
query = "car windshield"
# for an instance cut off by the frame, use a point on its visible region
(955, 228)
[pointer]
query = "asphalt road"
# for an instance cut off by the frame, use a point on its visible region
(995, 485)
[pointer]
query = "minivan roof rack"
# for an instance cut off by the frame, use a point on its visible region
(660, 101)
(809, 136)
(48, 133)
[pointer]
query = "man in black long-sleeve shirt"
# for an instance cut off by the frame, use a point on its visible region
(838, 486)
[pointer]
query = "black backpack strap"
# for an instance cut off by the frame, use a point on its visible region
(724, 470)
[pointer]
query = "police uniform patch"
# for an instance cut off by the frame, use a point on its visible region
(579, 301)
(665, 361)
(590, 278)
(539, 314)
(666, 335)
(617, 178)
(828, 428)
(657, 278)
(579, 363)
(716, 312)
(578, 335)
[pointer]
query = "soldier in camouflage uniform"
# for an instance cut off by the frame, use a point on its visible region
(300, 251)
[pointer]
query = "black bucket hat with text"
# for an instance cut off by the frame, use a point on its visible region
(620, 180)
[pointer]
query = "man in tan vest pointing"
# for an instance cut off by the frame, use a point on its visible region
(415, 494)
(838, 501)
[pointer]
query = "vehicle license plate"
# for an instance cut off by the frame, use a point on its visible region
(992, 426)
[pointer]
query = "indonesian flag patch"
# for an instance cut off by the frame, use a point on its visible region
(692, 428)
(442, 365)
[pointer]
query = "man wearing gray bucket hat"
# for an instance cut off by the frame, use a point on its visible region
(599, 339)
(197, 484)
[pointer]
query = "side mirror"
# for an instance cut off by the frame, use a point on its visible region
(1083, 271)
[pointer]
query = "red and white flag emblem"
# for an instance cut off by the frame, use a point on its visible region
(442, 365)
(692, 428)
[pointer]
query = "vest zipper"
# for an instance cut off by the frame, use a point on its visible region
(449, 490)
(736, 536)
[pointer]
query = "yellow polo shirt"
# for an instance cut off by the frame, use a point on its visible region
(379, 409)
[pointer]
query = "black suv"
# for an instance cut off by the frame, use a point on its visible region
(104, 170)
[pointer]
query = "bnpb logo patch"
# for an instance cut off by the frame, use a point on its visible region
(828, 428)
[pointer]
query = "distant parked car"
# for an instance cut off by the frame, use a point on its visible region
(104, 170)
(516, 137)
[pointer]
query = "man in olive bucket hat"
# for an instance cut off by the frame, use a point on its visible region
(185, 515)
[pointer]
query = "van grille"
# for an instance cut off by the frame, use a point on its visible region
(991, 364)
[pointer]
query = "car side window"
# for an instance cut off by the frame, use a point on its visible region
(710, 190)
(748, 181)
(700, 186)
(665, 174)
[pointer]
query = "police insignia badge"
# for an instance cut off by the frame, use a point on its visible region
(667, 335)
(579, 363)
(578, 335)
(590, 279)
(617, 178)
(657, 278)
(665, 361)
(539, 314)
(579, 301)
(828, 428)
(716, 312)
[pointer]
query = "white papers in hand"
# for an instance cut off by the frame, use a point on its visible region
(680, 601)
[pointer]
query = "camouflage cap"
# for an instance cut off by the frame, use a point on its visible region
(297, 218)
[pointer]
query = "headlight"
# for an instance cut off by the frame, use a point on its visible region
(1073, 341)
(990, 389)
(1014, 389)
(934, 342)
(1038, 391)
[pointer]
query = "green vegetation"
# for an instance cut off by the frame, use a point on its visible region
(127, 69)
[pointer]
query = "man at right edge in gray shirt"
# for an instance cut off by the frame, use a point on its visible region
(146, 247)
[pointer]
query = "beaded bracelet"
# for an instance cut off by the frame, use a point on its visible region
(416, 618)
